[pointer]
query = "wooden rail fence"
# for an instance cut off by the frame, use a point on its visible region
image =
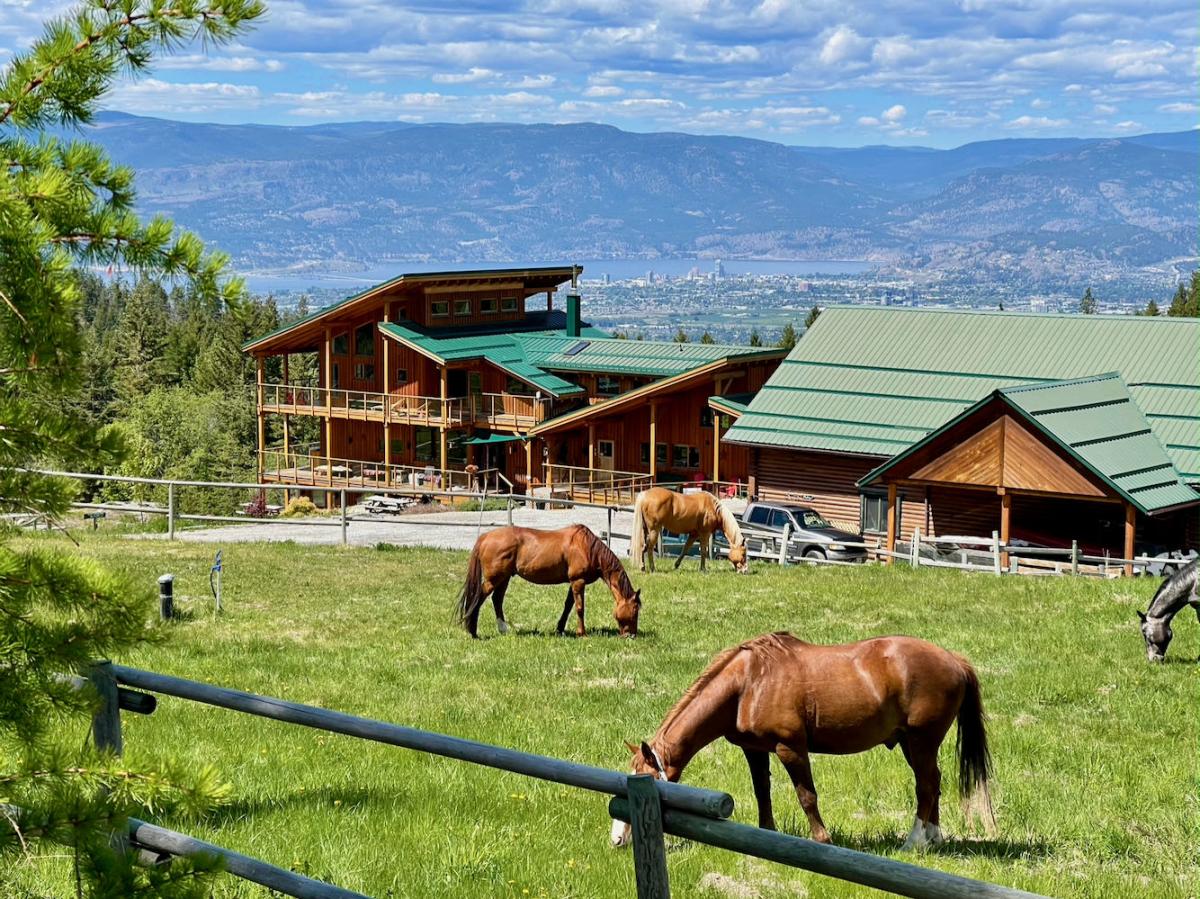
(653, 807)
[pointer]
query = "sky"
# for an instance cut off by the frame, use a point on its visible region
(808, 72)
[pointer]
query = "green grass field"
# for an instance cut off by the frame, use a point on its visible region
(1095, 749)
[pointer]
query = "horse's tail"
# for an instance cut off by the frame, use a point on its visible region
(974, 758)
(471, 598)
(637, 538)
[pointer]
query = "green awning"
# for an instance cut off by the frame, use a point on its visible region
(492, 438)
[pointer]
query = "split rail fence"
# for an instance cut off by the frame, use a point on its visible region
(652, 807)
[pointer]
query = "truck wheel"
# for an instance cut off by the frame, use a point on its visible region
(814, 553)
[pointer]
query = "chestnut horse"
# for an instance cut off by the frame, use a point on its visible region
(571, 555)
(778, 694)
(696, 514)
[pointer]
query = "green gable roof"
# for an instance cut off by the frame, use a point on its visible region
(1096, 421)
(610, 355)
(873, 380)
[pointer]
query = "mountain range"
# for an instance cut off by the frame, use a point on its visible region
(343, 196)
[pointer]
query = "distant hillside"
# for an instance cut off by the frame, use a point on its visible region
(339, 196)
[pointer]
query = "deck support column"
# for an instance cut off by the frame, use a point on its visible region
(260, 364)
(529, 465)
(716, 449)
(891, 523)
(1005, 522)
(653, 441)
(442, 449)
(1130, 533)
(387, 401)
(287, 443)
(549, 466)
(328, 385)
(549, 300)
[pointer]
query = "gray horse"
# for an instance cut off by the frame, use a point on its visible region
(1177, 591)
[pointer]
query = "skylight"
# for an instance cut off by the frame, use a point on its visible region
(576, 348)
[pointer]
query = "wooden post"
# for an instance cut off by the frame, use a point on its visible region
(1005, 517)
(342, 501)
(549, 466)
(649, 846)
(287, 418)
(716, 448)
(1074, 557)
(996, 569)
(591, 462)
(170, 512)
(784, 538)
(529, 466)
(914, 554)
(166, 596)
(1130, 533)
(608, 539)
(442, 430)
(387, 401)
(891, 523)
(106, 722)
(260, 364)
(549, 300)
(653, 441)
(328, 379)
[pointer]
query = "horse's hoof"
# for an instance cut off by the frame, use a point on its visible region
(502, 626)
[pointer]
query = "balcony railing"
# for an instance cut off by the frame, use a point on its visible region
(596, 484)
(315, 470)
(492, 410)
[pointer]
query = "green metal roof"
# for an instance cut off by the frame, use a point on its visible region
(872, 380)
(500, 349)
(610, 355)
(733, 403)
(1097, 421)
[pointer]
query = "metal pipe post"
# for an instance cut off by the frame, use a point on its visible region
(166, 597)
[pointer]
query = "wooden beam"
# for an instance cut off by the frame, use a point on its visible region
(591, 447)
(327, 378)
(1130, 534)
(442, 447)
(891, 522)
(1005, 525)
(549, 300)
(529, 466)
(716, 476)
(260, 364)
(387, 400)
(549, 467)
(653, 440)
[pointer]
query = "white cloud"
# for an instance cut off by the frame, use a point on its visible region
(603, 90)
(844, 45)
(894, 114)
(868, 121)
(472, 75)
(1028, 122)
(1039, 103)
(1186, 108)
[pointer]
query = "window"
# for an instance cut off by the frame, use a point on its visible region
(684, 456)
(487, 307)
(706, 417)
(518, 388)
(780, 519)
(423, 443)
(364, 340)
(508, 304)
(341, 344)
(607, 385)
(402, 376)
(439, 308)
(811, 519)
(397, 447)
(660, 453)
(758, 515)
(874, 511)
(605, 448)
(364, 371)
(462, 307)
(337, 376)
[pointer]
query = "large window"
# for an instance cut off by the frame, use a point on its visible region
(341, 344)
(402, 376)
(874, 511)
(607, 385)
(487, 306)
(683, 456)
(518, 388)
(364, 340)
(661, 454)
(439, 308)
(423, 439)
(462, 307)
(364, 371)
(508, 304)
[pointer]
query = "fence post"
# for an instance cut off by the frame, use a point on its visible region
(995, 552)
(783, 543)
(166, 597)
(1074, 557)
(509, 504)
(915, 549)
(170, 511)
(609, 541)
(342, 503)
(649, 845)
(106, 722)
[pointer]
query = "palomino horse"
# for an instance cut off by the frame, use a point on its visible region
(571, 555)
(1177, 591)
(696, 514)
(779, 694)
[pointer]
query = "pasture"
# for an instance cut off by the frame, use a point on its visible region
(1094, 748)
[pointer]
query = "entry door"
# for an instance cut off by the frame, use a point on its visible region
(605, 451)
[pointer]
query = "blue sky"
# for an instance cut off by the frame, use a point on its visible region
(830, 72)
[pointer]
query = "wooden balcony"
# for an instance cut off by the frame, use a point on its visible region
(505, 411)
(310, 469)
(596, 485)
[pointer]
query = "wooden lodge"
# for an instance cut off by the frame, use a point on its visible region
(474, 379)
(1045, 428)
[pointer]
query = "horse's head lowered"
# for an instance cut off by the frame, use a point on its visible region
(625, 610)
(733, 534)
(646, 760)
(1157, 634)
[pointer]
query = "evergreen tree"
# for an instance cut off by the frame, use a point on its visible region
(1151, 309)
(787, 337)
(1179, 302)
(1186, 301)
(142, 341)
(755, 337)
(811, 318)
(681, 336)
(62, 202)
(707, 338)
(1087, 305)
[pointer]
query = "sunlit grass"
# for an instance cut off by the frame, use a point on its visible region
(1094, 747)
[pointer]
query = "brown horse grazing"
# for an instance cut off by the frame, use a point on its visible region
(779, 694)
(696, 514)
(571, 555)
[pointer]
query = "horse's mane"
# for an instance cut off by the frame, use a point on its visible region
(729, 524)
(1167, 590)
(606, 560)
(767, 645)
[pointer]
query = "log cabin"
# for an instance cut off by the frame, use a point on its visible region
(1044, 428)
(474, 379)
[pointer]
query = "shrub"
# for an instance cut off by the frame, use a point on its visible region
(299, 507)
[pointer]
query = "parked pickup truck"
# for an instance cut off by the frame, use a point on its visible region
(810, 535)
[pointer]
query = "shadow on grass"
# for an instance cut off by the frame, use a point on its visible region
(320, 799)
(889, 844)
(569, 633)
